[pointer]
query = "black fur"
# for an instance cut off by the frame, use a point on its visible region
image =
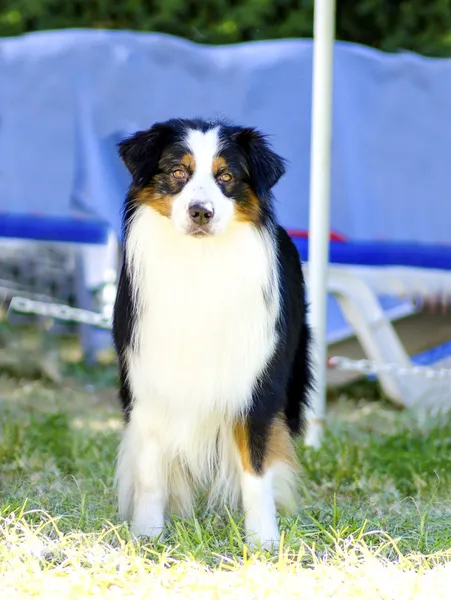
(287, 378)
(284, 386)
(123, 325)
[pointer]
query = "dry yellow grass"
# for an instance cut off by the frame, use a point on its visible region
(44, 562)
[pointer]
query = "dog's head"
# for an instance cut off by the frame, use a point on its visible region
(202, 175)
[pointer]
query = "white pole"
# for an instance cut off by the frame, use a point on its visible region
(324, 33)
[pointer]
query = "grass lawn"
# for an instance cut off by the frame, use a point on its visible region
(375, 523)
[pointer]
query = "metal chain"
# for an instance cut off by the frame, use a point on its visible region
(59, 311)
(369, 367)
(67, 313)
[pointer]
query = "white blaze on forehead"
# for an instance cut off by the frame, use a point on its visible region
(204, 147)
(202, 186)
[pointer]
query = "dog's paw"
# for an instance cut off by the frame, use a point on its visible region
(148, 522)
(146, 530)
(269, 545)
(263, 537)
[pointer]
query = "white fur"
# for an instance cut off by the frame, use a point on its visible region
(260, 510)
(202, 187)
(204, 333)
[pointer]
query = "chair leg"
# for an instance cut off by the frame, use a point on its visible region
(84, 300)
(94, 266)
(377, 336)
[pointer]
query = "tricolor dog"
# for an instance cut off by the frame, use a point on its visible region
(210, 330)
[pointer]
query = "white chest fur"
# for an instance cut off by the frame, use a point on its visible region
(204, 330)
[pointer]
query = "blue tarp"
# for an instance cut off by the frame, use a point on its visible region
(391, 136)
(66, 97)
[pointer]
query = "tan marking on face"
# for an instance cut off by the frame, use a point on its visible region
(189, 162)
(159, 202)
(247, 210)
(162, 202)
(219, 165)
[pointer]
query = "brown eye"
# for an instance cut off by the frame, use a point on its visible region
(178, 174)
(225, 177)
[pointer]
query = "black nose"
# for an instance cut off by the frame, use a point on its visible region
(200, 214)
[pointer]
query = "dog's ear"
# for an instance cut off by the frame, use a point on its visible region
(141, 152)
(265, 166)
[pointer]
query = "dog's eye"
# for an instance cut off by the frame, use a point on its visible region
(179, 174)
(225, 177)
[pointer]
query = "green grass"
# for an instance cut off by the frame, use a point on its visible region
(375, 521)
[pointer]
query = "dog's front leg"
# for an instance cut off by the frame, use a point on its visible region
(150, 492)
(257, 485)
(142, 480)
(268, 467)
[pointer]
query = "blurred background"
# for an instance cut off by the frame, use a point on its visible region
(76, 77)
(389, 25)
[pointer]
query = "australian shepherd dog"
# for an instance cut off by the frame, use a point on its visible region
(210, 330)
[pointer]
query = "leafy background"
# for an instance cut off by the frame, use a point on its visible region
(422, 26)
